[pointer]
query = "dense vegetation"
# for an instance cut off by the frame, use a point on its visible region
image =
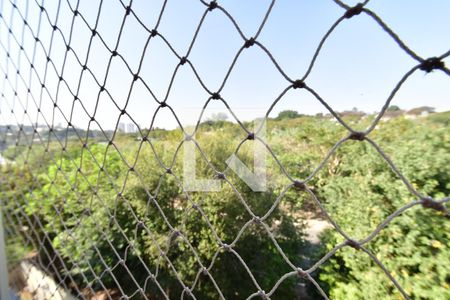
(110, 214)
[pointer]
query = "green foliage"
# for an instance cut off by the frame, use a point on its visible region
(97, 213)
(226, 215)
(363, 191)
(393, 108)
(288, 114)
(75, 203)
(440, 118)
(94, 219)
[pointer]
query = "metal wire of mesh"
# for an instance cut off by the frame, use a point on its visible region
(17, 95)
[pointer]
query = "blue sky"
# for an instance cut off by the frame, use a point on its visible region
(358, 66)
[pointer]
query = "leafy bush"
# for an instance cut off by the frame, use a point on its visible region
(361, 194)
(97, 212)
(115, 218)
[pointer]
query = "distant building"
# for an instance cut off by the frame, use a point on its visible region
(352, 113)
(388, 115)
(42, 129)
(131, 128)
(127, 128)
(421, 111)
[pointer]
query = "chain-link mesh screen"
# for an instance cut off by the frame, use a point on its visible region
(92, 239)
